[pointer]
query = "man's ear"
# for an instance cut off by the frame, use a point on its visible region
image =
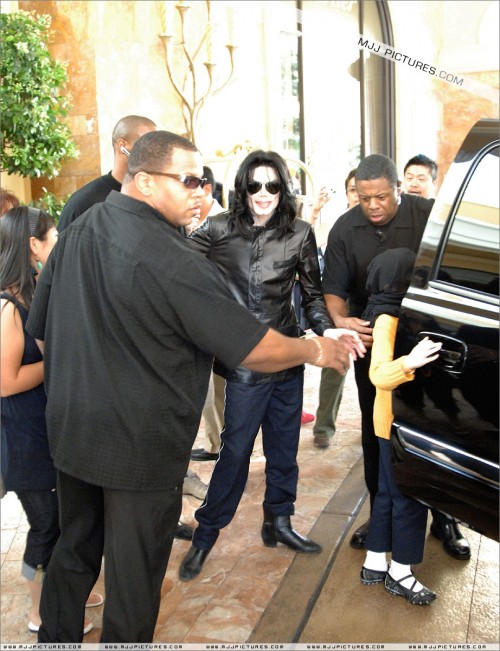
(143, 183)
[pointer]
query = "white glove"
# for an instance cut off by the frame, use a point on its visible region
(424, 352)
(350, 337)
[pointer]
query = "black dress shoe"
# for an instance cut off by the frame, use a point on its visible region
(278, 529)
(184, 532)
(358, 538)
(454, 542)
(199, 454)
(192, 564)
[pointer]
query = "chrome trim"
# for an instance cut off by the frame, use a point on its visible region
(435, 451)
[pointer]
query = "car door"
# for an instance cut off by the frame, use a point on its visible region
(445, 433)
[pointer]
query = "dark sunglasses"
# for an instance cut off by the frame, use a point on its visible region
(191, 182)
(273, 187)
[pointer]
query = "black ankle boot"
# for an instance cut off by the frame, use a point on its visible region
(278, 529)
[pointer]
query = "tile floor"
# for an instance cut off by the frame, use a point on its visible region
(241, 575)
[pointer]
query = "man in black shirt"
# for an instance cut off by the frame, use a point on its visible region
(141, 317)
(126, 132)
(384, 219)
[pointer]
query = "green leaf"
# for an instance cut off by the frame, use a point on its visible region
(32, 99)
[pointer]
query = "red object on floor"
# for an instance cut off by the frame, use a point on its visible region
(306, 418)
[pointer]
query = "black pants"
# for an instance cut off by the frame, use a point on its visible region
(277, 407)
(42, 512)
(369, 441)
(134, 530)
(398, 522)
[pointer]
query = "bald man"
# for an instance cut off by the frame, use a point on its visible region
(126, 132)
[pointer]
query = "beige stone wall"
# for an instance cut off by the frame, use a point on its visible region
(434, 116)
(116, 67)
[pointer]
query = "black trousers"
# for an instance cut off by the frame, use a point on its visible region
(42, 512)
(134, 530)
(398, 523)
(276, 407)
(369, 441)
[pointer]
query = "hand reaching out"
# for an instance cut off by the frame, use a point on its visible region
(350, 338)
(424, 352)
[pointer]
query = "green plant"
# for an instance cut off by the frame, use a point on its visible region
(35, 138)
(50, 203)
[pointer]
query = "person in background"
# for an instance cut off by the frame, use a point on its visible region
(8, 200)
(123, 415)
(261, 247)
(383, 219)
(322, 199)
(213, 411)
(27, 236)
(420, 176)
(332, 383)
(126, 131)
(398, 523)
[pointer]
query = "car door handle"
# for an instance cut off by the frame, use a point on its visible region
(453, 354)
(451, 359)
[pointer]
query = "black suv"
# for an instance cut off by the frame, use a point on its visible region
(445, 432)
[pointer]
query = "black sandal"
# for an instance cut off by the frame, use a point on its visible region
(421, 597)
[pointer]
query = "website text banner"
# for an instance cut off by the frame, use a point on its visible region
(403, 58)
(260, 646)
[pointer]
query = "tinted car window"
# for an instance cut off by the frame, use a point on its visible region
(470, 257)
(445, 432)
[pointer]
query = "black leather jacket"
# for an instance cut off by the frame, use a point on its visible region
(261, 273)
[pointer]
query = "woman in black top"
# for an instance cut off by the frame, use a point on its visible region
(27, 236)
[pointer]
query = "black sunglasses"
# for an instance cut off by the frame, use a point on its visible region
(273, 187)
(191, 182)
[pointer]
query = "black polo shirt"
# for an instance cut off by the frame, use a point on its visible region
(353, 242)
(131, 319)
(84, 198)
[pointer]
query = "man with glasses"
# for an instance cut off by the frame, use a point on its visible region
(260, 247)
(141, 317)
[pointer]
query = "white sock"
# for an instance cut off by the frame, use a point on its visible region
(376, 561)
(398, 571)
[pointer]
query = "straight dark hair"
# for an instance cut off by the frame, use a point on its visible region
(16, 228)
(286, 210)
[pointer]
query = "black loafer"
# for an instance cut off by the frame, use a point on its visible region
(454, 542)
(358, 538)
(192, 564)
(199, 454)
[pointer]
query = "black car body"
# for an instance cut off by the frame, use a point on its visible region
(445, 431)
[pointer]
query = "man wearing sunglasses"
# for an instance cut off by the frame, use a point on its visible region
(141, 316)
(260, 247)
